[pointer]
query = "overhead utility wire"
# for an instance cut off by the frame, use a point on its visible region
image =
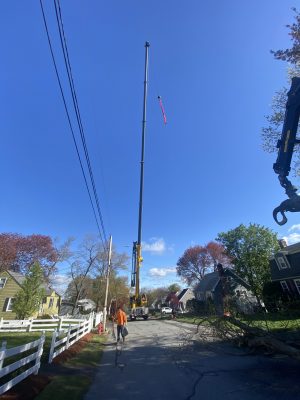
(70, 123)
(76, 106)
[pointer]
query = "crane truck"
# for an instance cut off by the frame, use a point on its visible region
(138, 302)
(285, 147)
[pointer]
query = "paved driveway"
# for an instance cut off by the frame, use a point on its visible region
(161, 361)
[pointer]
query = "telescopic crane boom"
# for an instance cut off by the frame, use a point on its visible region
(138, 300)
(285, 152)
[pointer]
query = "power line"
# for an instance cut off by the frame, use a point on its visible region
(70, 125)
(76, 105)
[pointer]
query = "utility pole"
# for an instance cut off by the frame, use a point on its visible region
(107, 283)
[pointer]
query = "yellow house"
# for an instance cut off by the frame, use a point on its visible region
(11, 283)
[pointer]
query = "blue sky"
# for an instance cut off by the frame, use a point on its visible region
(205, 172)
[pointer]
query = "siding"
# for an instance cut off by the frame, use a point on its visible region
(46, 309)
(283, 274)
(10, 290)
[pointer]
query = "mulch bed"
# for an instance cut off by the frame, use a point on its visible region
(30, 387)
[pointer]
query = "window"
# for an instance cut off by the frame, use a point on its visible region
(51, 302)
(282, 261)
(57, 303)
(284, 286)
(2, 282)
(9, 303)
(297, 283)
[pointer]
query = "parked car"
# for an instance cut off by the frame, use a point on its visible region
(166, 310)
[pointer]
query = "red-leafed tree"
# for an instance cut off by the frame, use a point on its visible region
(193, 264)
(198, 260)
(19, 252)
(217, 255)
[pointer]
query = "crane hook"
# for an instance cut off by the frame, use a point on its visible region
(292, 205)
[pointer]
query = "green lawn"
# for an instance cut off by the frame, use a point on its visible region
(14, 339)
(273, 321)
(79, 372)
(269, 322)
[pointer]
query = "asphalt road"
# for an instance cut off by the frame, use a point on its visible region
(161, 360)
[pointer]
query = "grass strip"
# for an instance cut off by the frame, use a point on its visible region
(79, 371)
(66, 387)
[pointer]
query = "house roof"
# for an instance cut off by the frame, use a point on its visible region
(293, 248)
(19, 278)
(211, 280)
(182, 293)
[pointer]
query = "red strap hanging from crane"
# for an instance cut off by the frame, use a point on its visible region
(162, 109)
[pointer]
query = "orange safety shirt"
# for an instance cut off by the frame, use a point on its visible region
(121, 317)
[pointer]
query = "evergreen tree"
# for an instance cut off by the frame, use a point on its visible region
(29, 298)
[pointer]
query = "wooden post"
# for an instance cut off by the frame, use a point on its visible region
(68, 337)
(52, 347)
(29, 326)
(2, 353)
(107, 283)
(39, 353)
(1, 323)
(60, 322)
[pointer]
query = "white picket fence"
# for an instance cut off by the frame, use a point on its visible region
(34, 325)
(66, 331)
(63, 339)
(34, 357)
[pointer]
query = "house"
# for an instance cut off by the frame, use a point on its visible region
(218, 285)
(172, 300)
(184, 296)
(285, 268)
(10, 285)
(84, 306)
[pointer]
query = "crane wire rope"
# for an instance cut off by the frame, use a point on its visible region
(76, 106)
(70, 124)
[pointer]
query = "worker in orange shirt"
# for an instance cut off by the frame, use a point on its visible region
(121, 322)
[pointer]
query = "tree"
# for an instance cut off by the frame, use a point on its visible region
(29, 298)
(291, 55)
(193, 264)
(88, 271)
(216, 254)
(174, 288)
(272, 132)
(19, 252)
(198, 260)
(250, 249)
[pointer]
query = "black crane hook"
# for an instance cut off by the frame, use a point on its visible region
(292, 205)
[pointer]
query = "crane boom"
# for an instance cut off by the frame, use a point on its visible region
(285, 147)
(138, 301)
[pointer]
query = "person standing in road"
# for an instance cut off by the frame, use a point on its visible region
(121, 322)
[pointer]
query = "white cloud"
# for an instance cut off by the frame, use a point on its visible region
(155, 246)
(161, 271)
(60, 282)
(292, 238)
(294, 228)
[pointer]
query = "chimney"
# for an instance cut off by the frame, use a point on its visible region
(282, 243)
(220, 269)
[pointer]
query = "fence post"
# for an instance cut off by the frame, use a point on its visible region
(1, 322)
(52, 347)
(60, 322)
(68, 337)
(39, 353)
(2, 353)
(29, 326)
